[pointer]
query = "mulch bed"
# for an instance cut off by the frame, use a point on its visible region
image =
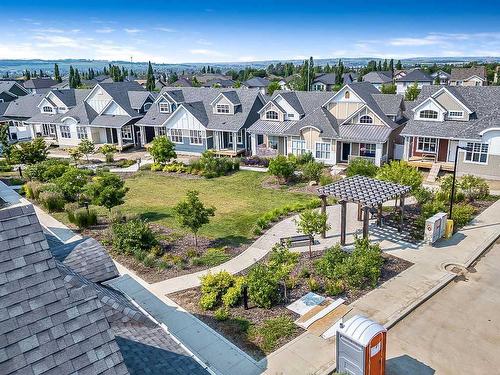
(174, 244)
(189, 299)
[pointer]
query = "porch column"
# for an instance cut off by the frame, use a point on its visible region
(143, 136)
(401, 212)
(235, 142)
(378, 154)
(323, 212)
(216, 140)
(343, 221)
(366, 220)
(406, 149)
(253, 144)
(119, 140)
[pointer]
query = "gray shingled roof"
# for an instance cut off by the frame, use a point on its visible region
(257, 82)
(389, 103)
(138, 98)
(321, 119)
(378, 77)
(24, 106)
(40, 83)
(293, 100)
(460, 74)
(45, 327)
(415, 75)
(483, 100)
(248, 99)
(325, 78)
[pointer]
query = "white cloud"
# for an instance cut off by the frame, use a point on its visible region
(204, 42)
(165, 29)
(50, 30)
(414, 42)
(132, 31)
(207, 52)
(105, 30)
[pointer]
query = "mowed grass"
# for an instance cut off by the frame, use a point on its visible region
(239, 200)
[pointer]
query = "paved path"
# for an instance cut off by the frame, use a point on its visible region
(457, 331)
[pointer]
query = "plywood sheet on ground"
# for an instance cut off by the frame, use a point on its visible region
(323, 324)
(317, 313)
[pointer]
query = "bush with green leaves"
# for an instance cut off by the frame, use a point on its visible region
(423, 195)
(462, 215)
(30, 152)
(282, 168)
(400, 172)
(107, 190)
(132, 235)
(221, 314)
(272, 332)
(86, 147)
(263, 286)
(47, 170)
(162, 150)
(108, 150)
(361, 167)
(234, 293)
(52, 201)
(312, 222)
(444, 192)
(211, 166)
(312, 171)
(83, 218)
(214, 287)
(474, 187)
(71, 183)
(32, 189)
(212, 257)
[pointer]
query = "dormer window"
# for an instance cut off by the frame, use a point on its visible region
(366, 119)
(164, 107)
(222, 108)
(455, 114)
(428, 114)
(347, 95)
(47, 109)
(147, 106)
(271, 115)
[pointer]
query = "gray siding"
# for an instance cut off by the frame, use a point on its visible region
(490, 171)
(186, 147)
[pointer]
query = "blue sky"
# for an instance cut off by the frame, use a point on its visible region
(223, 31)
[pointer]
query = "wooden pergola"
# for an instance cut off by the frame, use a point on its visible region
(368, 193)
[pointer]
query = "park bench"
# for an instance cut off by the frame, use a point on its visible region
(297, 239)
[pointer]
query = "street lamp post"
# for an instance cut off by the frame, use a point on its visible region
(455, 175)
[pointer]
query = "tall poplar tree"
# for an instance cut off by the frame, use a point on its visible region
(57, 75)
(150, 79)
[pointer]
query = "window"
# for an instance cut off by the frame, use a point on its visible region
(455, 114)
(164, 107)
(176, 135)
(81, 132)
(195, 137)
(291, 115)
(367, 149)
(426, 144)
(318, 87)
(365, 119)
(273, 142)
(62, 109)
(347, 95)
(478, 152)
(298, 147)
(271, 115)
(65, 132)
(161, 131)
(127, 132)
(222, 108)
(147, 106)
(427, 113)
(322, 150)
(47, 109)
(239, 137)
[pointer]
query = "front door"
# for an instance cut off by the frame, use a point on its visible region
(346, 151)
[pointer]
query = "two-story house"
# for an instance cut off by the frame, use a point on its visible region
(378, 79)
(257, 83)
(39, 85)
(473, 76)
(357, 121)
(441, 77)
(200, 118)
(11, 90)
(412, 76)
(444, 117)
(105, 114)
(323, 82)
(17, 112)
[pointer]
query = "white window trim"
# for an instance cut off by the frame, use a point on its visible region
(162, 104)
(272, 119)
(316, 150)
(302, 149)
(147, 106)
(428, 118)
(475, 152)
(63, 131)
(44, 109)
(430, 152)
(200, 137)
(370, 117)
(219, 107)
(181, 135)
(126, 132)
(454, 115)
(80, 130)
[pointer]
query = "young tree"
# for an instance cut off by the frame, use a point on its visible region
(107, 190)
(71, 77)
(310, 223)
(162, 150)
(30, 152)
(108, 151)
(412, 92)
(273, 86)
(57, 76)
(86, 147)
(75, 154)
(150, 79)
(401, 172)
(6, 147)
(192, 213)
(282, 168)
(389, 88)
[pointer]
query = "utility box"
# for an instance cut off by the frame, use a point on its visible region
(435, 227)
(361, 347)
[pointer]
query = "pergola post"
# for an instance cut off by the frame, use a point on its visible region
(379, 215)
(366, 221)
(360, 212)
(343, 221)
(323, 212)
(401, 212)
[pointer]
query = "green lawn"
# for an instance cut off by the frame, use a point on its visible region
(239, 200)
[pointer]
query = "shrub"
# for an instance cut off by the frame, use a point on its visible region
(52, 201)
(361, 167)
(263, 287)
(149, 260)
(107, 190)
(282, 168)
(255, 161)
(83, 218)
(402, 173)
(31, 152)
(155, 167)
(156, 251)
(140, 255)
(32, 189)
(70, 209)
(133, 235)
(331, 259)
(272, 331)
(313, 284)
(423, 195)
(474, 187)
(5, 166)
(72, 181)
(312, 170)
(221, 314)
(214, 287)
(211, 167)
(326, 179)
(108, 150)
(162, 149)
(462, 214)
(234, 293)
(47, 170)
(304, 273)
(334, 287)
(212, 257)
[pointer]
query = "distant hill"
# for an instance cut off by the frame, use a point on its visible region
(18, 66)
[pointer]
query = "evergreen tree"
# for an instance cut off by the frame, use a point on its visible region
(77, 80)
(379, 66)
(391, 65)
(203, 70)
(385, 66)
(71, 77)
(150, 78)
(399, 66)
(41, 73)
(27, 74)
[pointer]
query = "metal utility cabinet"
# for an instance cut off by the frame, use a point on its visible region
(361, 347)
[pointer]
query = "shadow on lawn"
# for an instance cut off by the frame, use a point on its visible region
(231, 241)
(155, 216)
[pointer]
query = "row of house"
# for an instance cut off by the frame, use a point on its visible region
(356, 121)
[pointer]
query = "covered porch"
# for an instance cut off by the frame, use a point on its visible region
(376, 153)
(424, 152)
(230, 143)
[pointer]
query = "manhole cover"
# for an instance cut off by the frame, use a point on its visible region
(456, 269)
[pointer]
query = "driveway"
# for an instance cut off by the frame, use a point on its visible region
(457, 331)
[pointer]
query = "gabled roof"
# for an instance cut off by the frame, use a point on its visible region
(378, 77)
(292, 99)
(256, 82)
(219, 82)
(415, 75)
(138, 98)
(24, 106)
(70, 97)
(40, 83)
(120, 92)
(7, 86)
(325, 78)
(390, 104)
(182, 82)
(320, 119)
(461, 74)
